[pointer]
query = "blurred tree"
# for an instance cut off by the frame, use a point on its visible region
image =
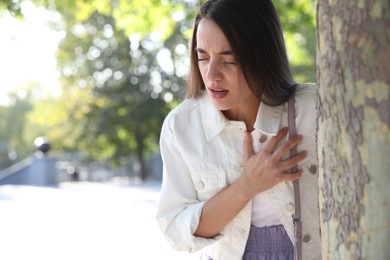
(160, 17)
(13, 144)
(52, 117)
(123, 62)
(12, 6)
(127, 89)
(298, 18)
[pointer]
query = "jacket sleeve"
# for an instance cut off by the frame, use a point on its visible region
(179, 209)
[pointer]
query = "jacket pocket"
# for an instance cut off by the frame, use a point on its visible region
(208, 183)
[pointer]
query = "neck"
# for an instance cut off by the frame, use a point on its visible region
(246, 112)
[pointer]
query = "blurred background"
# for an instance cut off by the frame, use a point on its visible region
(84, 89)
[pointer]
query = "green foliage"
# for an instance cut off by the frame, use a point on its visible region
(143, 17)
(124, 87)
(53, 116)
(12, 6)
(298, 21)
(12, 129)
(123, 64)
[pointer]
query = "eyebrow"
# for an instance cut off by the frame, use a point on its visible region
(200, 50)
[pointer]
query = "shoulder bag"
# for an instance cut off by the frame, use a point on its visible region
(296, 218)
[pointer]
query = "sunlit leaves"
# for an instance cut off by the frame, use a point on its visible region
(13, 144)
(298, 21)
(12, 6)
(84, 8)
(123, 65)
(144, 17)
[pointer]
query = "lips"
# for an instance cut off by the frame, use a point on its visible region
(218, 93)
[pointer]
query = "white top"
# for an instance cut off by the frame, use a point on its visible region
(263, 211)
(202, 154)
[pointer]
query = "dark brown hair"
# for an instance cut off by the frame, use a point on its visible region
(253, 30)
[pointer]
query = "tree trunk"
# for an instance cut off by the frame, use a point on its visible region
(140, 139)
(353, 72)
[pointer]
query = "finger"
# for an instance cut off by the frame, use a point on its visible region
(287, 176)
(291, 162)
(271, 143)
(248, 147)
(286, 147)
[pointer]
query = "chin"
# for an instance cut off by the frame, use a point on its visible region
(220, 106)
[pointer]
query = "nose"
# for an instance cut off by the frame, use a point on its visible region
(213, 72)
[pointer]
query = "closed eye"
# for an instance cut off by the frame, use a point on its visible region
(203, 56)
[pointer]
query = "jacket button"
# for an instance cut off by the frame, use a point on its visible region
(306, 238)
(290, 207)
(262, 138)
(200, 185)
(313, 169)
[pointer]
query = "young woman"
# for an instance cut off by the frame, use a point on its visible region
(227, 186)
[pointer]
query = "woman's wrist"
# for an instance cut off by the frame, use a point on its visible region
(244, 188)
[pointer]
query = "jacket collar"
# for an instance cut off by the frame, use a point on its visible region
(213, 120)
(268, 120)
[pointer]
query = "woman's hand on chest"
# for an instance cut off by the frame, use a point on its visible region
(267, 168)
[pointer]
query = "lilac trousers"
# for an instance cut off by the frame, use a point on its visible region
(266, 243)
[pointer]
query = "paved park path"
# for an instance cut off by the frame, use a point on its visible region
(82, 221)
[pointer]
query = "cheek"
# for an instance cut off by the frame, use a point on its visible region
(202, 71)
(241, 79)
(245, 90)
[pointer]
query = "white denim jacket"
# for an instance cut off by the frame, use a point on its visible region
(202, 154)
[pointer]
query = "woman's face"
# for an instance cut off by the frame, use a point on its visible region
(223, 79)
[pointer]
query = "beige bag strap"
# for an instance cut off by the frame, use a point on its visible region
(297, 197)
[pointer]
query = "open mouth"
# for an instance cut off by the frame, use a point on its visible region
(218, 93)
(218, 90)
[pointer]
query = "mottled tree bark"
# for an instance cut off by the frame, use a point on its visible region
(353, 72)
